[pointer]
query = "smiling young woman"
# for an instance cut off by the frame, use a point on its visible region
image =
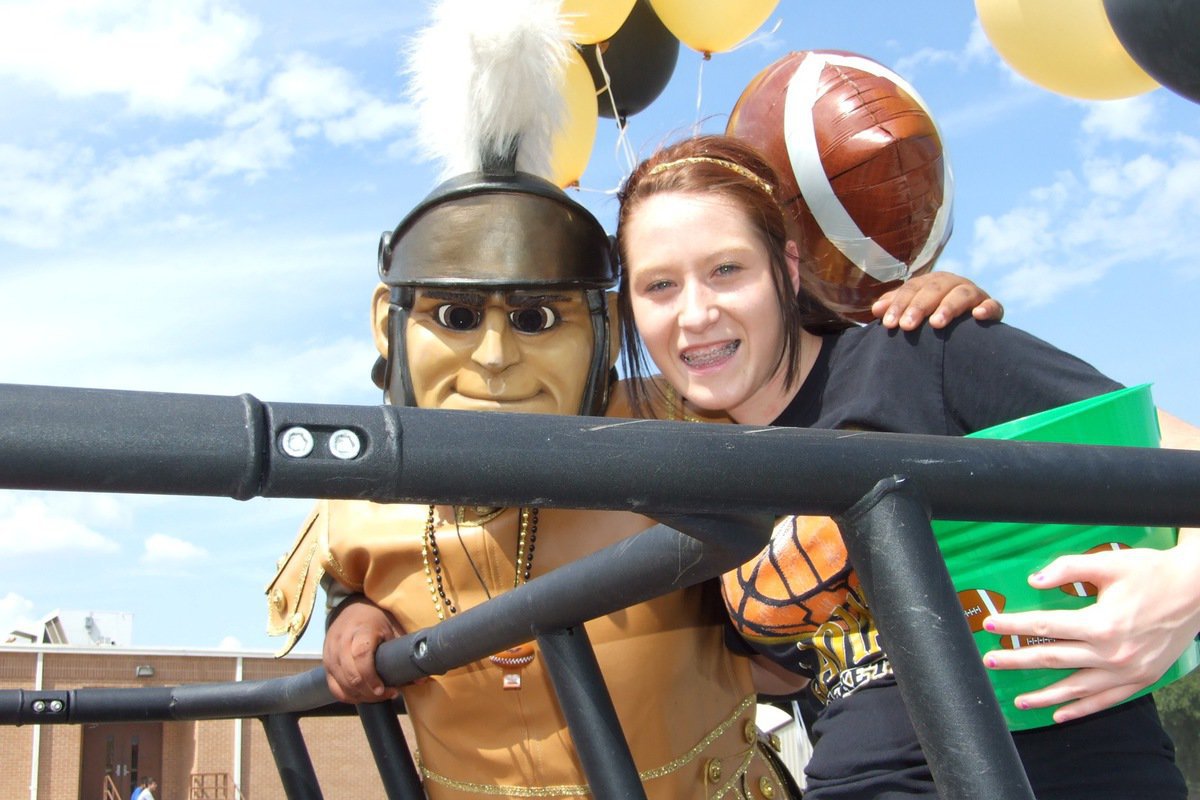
(698, 301)
(712, 286)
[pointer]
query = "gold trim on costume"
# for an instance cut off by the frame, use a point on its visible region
(570, 790)
(720, 162)
(332, 565)
(289, 614)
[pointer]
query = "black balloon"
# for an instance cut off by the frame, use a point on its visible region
(639, 58)
(1163, 38)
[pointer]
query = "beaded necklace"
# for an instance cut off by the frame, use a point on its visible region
(431, 558)
(514, 658)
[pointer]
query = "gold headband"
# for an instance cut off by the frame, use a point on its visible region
(720, 162)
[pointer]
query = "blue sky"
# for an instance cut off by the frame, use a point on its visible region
(191, 196)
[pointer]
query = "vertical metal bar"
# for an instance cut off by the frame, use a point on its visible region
(291, 756)
(937, 666)
(591, 718)
(396, 768)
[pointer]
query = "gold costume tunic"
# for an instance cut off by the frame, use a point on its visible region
(685, 703)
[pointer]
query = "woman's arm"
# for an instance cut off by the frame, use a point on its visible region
(1147, 612)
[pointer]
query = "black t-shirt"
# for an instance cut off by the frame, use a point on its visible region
(953, 381)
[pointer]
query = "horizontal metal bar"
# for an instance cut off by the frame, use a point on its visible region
(140, 442)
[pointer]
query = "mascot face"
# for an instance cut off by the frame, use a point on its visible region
(522, 351)
(495, 299)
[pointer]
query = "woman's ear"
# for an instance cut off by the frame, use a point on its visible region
(614, 329)
(792, 255)
(380, 307)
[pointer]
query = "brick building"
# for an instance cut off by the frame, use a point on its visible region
(191, 760)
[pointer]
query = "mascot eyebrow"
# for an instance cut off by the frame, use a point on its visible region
(517, 299)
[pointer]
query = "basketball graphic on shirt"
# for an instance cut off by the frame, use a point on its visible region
(861, 171)
(794, 585)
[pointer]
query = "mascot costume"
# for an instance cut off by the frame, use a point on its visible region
(494, 297)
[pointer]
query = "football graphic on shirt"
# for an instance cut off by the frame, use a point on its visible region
(1086, 588)
(861, 171)
(978, 605)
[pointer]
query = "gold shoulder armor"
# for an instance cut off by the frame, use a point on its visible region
(292, 594)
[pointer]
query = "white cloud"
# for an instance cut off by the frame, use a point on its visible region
(371, 120)
(31, 525)
(1012, 238)
(230, 643)
(311, 90)
(223, 111)
(1110, 177)
(168, 58)
(167, 551)
(1040, 283)
(1133, 197)
(16, 614)
(285, 318)
(70, 187)
(977, 49)
(1130, 119)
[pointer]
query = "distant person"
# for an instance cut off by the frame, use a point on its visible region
(149, 787)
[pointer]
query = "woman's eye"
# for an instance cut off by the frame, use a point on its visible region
(657, 286)
(533, 320)
(457, 317)
(727, 269)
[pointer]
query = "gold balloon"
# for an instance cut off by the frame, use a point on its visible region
(592, 21)
(572, 144)
(1066, 46)
(713, 26)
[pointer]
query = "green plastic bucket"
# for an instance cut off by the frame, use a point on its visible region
(998, 557)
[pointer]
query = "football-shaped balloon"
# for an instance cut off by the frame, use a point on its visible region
(794, 585)
(861, 168)
(978, 605)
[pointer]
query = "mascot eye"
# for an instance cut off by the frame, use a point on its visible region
(533, 320)
(457, 317)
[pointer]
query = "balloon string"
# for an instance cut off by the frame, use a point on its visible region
(758, 37)
(706, 56)
(622, 146)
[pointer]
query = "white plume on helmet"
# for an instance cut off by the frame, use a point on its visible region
(486, 77)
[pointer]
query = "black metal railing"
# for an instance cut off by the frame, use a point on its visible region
(881, 488)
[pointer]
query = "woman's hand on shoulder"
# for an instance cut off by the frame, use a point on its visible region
(349, 652)
(939, 297)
